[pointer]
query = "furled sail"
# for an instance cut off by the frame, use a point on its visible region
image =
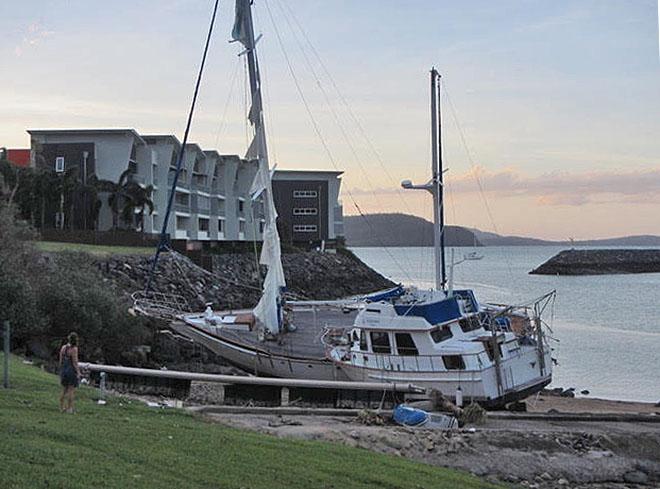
(268, 311)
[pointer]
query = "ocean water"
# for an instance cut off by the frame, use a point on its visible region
(607, 327)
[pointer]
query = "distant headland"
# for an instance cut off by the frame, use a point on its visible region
(390, 230)
(601, 262)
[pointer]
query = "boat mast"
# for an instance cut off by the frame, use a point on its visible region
(434, 186)
(268, 311)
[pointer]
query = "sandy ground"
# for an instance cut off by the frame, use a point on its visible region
(538, 454)
(544, 403)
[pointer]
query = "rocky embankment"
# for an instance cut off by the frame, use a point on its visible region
(601, 262)
(235, 281)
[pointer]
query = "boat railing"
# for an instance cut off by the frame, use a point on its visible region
(160, 305)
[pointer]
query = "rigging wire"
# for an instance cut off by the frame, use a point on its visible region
(162, 244)
(475, 172)
(223, 119)
(317, 128)
(335, 116)
(354, 118)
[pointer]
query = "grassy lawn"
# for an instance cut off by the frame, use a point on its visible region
(94, 249)
(125, 444)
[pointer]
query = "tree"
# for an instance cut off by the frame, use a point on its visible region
(138, 198)
(117, 193)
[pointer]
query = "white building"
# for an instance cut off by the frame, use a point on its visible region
(211, 198)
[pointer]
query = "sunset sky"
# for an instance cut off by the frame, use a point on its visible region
(558, 101)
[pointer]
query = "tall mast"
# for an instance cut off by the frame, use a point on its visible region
(268, 311)
(434, 186)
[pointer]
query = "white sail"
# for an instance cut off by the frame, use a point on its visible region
(268, 311)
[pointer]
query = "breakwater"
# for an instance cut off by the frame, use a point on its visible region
(601, 262)
(235, 279)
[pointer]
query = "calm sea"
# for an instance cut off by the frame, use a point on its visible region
(607, 326)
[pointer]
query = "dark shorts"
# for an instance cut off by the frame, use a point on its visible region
(68, 378)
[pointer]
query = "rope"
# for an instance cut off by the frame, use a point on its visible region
(318, 132)
(223, 119)
(162, 244)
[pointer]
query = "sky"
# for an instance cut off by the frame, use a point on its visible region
(551, 109)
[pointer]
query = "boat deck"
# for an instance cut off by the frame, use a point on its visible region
(305, 342)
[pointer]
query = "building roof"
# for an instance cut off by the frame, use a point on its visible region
(19, 157)
(83, 132)
(328, 172)
(171, 137)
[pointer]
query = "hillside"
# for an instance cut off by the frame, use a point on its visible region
(400, 230)
(407, 230)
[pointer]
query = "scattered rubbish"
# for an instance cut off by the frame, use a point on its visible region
(584, 392)
(369, 417)
(153, 404)
(101, 402)
(471, 430)
(441, 403)
(283, 422)
(28, 362)
(473, 413)
(517, 407)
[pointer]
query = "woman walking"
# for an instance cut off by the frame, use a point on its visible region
(69, 373)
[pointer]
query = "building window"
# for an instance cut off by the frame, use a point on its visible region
(204, 225)
(453, 362)
(261, 227)
(305, 194)
(380, 342)
(241, 226)
(441, 334)
(59, 164)
(203, 202)
(305, 211)
(405, 344)
(304, 228)
(181, 223)
(181, 199)
(221, 225)
(241, 206)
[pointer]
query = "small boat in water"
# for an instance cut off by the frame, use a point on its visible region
(443, 338)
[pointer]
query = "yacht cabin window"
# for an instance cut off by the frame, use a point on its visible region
(469, 323)
(441, 334)
(405, 345)
(453, 362)
(380, 342)
(363, 341)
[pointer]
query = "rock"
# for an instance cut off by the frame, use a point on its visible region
(545, 476)
(636, 477)
(584, 392)
(354, 434)
(562, 482)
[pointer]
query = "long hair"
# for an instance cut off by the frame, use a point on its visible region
(73, 339)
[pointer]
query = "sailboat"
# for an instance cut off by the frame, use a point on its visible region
(441, 338)
(473, 255)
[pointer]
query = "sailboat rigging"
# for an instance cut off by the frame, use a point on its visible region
(440, 338)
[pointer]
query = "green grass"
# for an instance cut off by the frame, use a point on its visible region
(125, 444)
(101, 250)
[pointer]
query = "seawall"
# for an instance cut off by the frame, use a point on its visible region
(601, 262)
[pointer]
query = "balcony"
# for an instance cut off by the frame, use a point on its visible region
(201, 187)
(181, 207)
(181, 234)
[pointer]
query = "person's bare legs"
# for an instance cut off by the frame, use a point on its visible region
(70, 391)
(63, 398)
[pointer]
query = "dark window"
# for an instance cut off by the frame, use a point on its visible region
(363, 341)
(380, 342)
(405, 344)
(441, 334)
(241, 204)
(469, 323)
(453, 362)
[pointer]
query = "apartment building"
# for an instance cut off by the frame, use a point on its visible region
(211, 198)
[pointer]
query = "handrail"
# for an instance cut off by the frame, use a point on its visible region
(250, 380)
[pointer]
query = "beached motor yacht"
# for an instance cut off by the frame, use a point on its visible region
(442, 338)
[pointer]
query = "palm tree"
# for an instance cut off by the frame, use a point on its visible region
(117, 193)
(139, 198)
